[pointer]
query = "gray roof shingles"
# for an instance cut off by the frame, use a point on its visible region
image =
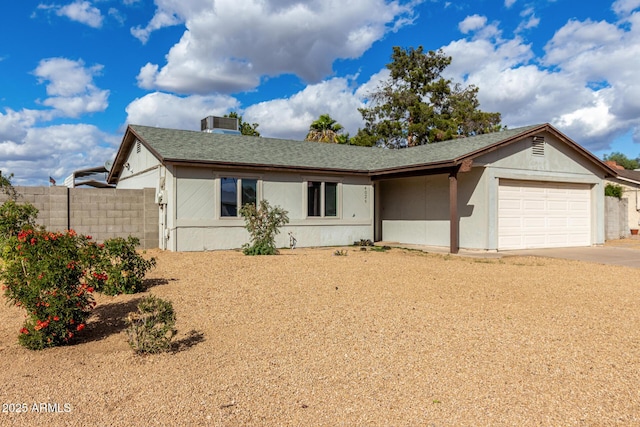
(193, 146)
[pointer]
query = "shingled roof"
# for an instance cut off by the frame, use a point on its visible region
(184, 146)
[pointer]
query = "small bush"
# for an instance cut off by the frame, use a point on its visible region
(115, 267)
(340, 252)
(262, 223)
(363, 242)
(151, 329)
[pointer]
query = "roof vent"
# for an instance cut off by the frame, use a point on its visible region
(212, 124)
(537, 147)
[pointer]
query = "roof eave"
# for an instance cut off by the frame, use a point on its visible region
(264, 167)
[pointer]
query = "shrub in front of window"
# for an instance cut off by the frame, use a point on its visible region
(262, 223)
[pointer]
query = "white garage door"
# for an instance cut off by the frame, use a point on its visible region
(543, 215)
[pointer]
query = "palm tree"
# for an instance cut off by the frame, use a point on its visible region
(326, 129)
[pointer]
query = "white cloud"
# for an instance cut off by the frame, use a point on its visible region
(472, 23)
(509, 3)
(70, 87)
(530, 20)
(218, 52)
(171, 111)
(290, 118)
(34, 151)
(585, 84)
(624, 7)
(79, 11)
(40, 152)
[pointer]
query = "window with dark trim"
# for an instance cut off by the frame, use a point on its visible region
(234, 191)
(322, 199)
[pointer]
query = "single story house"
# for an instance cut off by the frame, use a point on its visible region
(530, 187)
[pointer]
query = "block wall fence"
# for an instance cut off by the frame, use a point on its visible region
(101, 213)
(616, 223)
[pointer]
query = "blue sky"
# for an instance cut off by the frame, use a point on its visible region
(74, 73)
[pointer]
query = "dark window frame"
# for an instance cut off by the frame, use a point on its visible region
(322, 199)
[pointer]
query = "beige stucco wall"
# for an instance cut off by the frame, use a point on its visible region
(194, 222)
(142, 171)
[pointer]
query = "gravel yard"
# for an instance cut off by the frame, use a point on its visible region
(396, 338)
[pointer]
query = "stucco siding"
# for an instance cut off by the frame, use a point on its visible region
(473, 208)
(195, 194)
(286, 192)
(416, 210)
(147, 179)
(140, 169)
(195, 222)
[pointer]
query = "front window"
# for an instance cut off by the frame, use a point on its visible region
(249, 191)
(236, 192)
(322, 199)
(228, 197)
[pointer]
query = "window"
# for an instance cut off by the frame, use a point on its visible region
(322, 199)
(249, 191)
(236, 192)
(228, 197)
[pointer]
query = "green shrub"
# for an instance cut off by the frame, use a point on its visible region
(151, 329)
(262, 223)
(613, 190)
(115, 267)
(42, 273)
(14, 217)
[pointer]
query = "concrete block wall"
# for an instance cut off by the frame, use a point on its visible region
(615, 218)
(101, 213)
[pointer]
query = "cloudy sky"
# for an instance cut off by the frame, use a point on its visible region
(73, 74)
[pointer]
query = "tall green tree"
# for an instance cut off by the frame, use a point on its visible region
(245, 128)
(326, 129)
(416, 105)
(622, 160)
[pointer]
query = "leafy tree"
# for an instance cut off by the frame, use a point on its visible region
(623, 160)
(245, 128)
(326, 129)
(416, 105)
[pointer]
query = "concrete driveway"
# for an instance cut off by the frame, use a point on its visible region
(625, 252)
(614, 255)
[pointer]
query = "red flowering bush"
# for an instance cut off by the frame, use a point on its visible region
(44, 273)
(115, 267)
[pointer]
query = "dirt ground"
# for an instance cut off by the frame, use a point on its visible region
(308, 338)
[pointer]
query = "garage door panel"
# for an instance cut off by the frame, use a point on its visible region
(533, 204)
(515, 205)
(538, 214)
(532, 223)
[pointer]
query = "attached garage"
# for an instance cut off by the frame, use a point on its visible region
(543, 214)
